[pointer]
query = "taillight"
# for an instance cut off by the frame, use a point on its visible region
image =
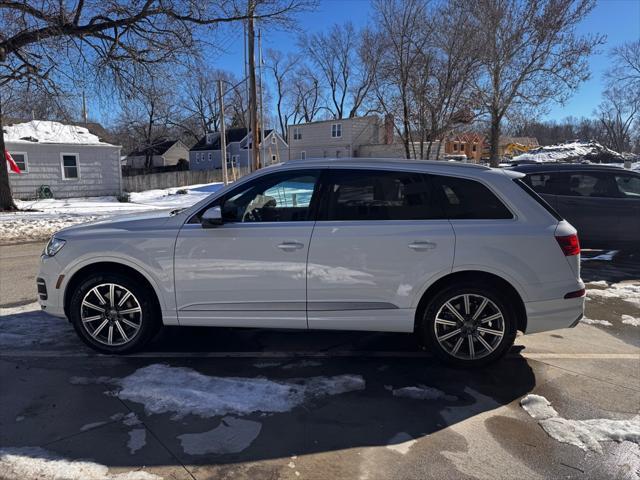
(576, 294)
(569, 244)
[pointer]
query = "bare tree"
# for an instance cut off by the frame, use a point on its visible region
(531, 56)
(625, 66)
(346, 78)
(282, 69)
(618, 112)
(117, 39)
(307, 95)
(403, 36)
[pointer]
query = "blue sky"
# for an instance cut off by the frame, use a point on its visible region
(619, 20)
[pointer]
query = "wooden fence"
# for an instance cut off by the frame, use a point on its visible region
(152, 181)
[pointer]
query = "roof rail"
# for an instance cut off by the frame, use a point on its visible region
(364, 160)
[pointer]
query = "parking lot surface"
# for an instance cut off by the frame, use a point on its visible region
(254, 404)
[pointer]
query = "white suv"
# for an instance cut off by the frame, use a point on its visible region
(461, 254)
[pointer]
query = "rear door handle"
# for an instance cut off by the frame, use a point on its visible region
(420, 246)
(290, 246)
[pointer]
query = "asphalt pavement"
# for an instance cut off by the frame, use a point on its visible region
(356, 405)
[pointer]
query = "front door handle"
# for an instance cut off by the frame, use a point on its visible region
(421, 246)
(290, 246)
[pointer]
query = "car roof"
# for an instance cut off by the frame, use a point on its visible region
(564, 167)
(378, 162)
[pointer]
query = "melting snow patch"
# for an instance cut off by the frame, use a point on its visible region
(422, 392)
(629, 292)
(629, 320)
(184, 391)
(599, 283)
(401, 443)
(233, 435)
(90, 426)
(302, 364)
(590, 321)
(34, 463)
(584, 434)
(606, 257)
(137, 439)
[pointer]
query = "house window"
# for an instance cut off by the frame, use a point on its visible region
(21, 160)
(303, 155)
(274, 159)
(297, 133)
(234, 161)
(209, 156)
(273, 139)
(69, 163)
(474, 147)
(209, 139)
(336, 130)
(455, 147)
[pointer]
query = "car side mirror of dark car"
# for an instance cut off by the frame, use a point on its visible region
(211, 218)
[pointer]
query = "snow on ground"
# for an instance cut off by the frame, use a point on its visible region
(629, 320)
(584, 434)
(233, 435)
(51, 215)
(43, 131)
(627, 291)
(28, 325)
(590, 321)
(34, 463)
(421, 392)
(137, 439)
(183, 391)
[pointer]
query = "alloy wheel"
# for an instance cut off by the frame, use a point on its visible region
(111, 314)
(469, 326)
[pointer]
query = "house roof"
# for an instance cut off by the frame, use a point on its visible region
(236, 134)
(158, 148)
(49, 132)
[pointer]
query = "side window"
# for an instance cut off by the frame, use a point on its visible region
(379, 195)
(468, 199)
(276, 198)
(69, 162)
(628, 185)
(603, 185)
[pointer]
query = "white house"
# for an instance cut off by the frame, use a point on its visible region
(165, 153)
(68, 159)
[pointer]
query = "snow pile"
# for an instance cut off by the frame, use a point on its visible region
(34, 463)
(42, 131)
(605, 257)
(24, 326)
(584, 434)
(629, 320)
(421, 392)
(183, 391)
(233, 435)
(589, 321)
(50, 215)
(569, 152)
(627, 291)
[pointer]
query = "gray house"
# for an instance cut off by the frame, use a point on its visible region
(68, 159)
(206, 154)
(165, 153)
(332, 138)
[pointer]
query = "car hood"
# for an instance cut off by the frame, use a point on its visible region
(129, 222)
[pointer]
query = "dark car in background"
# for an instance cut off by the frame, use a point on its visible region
(602, 202)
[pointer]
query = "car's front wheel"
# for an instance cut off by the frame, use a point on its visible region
(469, 326)
(114, 314)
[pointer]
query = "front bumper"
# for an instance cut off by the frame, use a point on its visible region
(50, 298)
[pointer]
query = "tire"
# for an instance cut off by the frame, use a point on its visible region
(471, 347)
(124, 329)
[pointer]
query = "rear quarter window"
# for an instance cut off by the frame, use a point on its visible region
(469, 199)
(541, 201)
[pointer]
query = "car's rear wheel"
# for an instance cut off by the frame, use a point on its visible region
(114, 314)
(469, 326)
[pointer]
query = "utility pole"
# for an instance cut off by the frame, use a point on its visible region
(261, 128)
(253, 97)
(223, 135)
(84, 108)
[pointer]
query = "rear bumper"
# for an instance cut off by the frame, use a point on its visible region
(553, 314)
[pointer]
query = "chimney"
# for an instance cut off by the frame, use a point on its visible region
(388, 129)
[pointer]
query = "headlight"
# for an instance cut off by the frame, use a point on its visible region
(54, 246)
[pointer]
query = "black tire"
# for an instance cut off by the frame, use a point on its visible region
(508, 324)
(150, 315)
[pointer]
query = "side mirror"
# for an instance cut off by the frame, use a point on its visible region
(211, 217)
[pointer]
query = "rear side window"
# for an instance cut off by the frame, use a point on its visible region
(379, 195)
(538, 198)
(468, 199)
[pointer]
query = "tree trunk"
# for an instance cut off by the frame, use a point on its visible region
(494, 140)
(6, 199)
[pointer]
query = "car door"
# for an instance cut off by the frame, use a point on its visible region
(628, 213)
(588, 201)
(250, 271)
(379, 238)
